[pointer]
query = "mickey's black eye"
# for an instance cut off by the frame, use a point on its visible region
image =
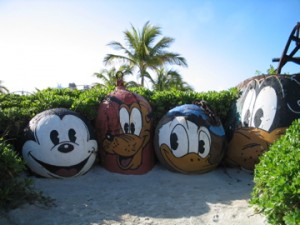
(72, 135)
(54, 137)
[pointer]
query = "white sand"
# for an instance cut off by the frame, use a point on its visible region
(158, 197)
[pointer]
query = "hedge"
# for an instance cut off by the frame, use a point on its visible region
(277, 179)
(17, 110)
(14, 188)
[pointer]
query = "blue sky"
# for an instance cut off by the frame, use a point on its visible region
(56, 42)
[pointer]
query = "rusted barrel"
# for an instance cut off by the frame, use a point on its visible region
(124, 131)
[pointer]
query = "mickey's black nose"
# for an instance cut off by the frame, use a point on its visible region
(65, 148)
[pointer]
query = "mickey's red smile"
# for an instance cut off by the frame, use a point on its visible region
(62, 171)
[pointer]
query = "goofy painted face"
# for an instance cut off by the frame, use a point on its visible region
(267, 106)
(188, 140)
(124, 131)
(59, 144)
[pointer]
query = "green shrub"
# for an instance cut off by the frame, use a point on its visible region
(277, 179)
(220, 102)
(88, 101)
(15, 190)
(16, 110)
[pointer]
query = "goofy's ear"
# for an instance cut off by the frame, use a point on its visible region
(145, 108)
(150, 115)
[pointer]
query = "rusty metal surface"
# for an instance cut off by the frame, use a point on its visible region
(289, 52)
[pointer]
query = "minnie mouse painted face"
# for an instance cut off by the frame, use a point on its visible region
(59, 144)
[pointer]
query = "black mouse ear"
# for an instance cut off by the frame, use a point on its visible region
(28, 135)
(30, 129)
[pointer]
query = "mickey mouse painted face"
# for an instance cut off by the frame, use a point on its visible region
(189, 140)
(124, 130)
(267, 106)
(59, 144)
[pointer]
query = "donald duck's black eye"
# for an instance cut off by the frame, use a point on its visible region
(174, 141)
(179, 140)
(204, 142)
(201, 147)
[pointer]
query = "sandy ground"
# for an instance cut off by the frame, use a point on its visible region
(158, 197)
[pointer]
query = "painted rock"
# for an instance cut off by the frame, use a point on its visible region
(190, 139)
(59, 143)
(267, 106)
(124, 131)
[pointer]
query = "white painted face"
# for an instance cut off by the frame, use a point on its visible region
(62, 148)
(259, 110)
(184, 137)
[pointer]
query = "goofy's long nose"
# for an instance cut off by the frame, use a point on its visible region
(65, 148)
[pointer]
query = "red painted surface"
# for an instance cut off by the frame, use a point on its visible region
(124, 132)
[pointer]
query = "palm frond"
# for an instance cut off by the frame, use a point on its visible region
(110, 58)
(3, 89)
(140, 51)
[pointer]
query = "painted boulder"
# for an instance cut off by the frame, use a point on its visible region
(124, 131)
(190, 139)
(267, 106)
(59, 143)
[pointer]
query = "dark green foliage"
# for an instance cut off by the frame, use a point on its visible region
(16, 110)
(87, 102)
(146, 93)
(15, 190)
(277, 179)
(220, 102)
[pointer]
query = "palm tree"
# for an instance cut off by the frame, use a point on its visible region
(2, 88)
(143, 53)
(169, 79)
(109, 77)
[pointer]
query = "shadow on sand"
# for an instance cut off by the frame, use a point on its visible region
(100, 197)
